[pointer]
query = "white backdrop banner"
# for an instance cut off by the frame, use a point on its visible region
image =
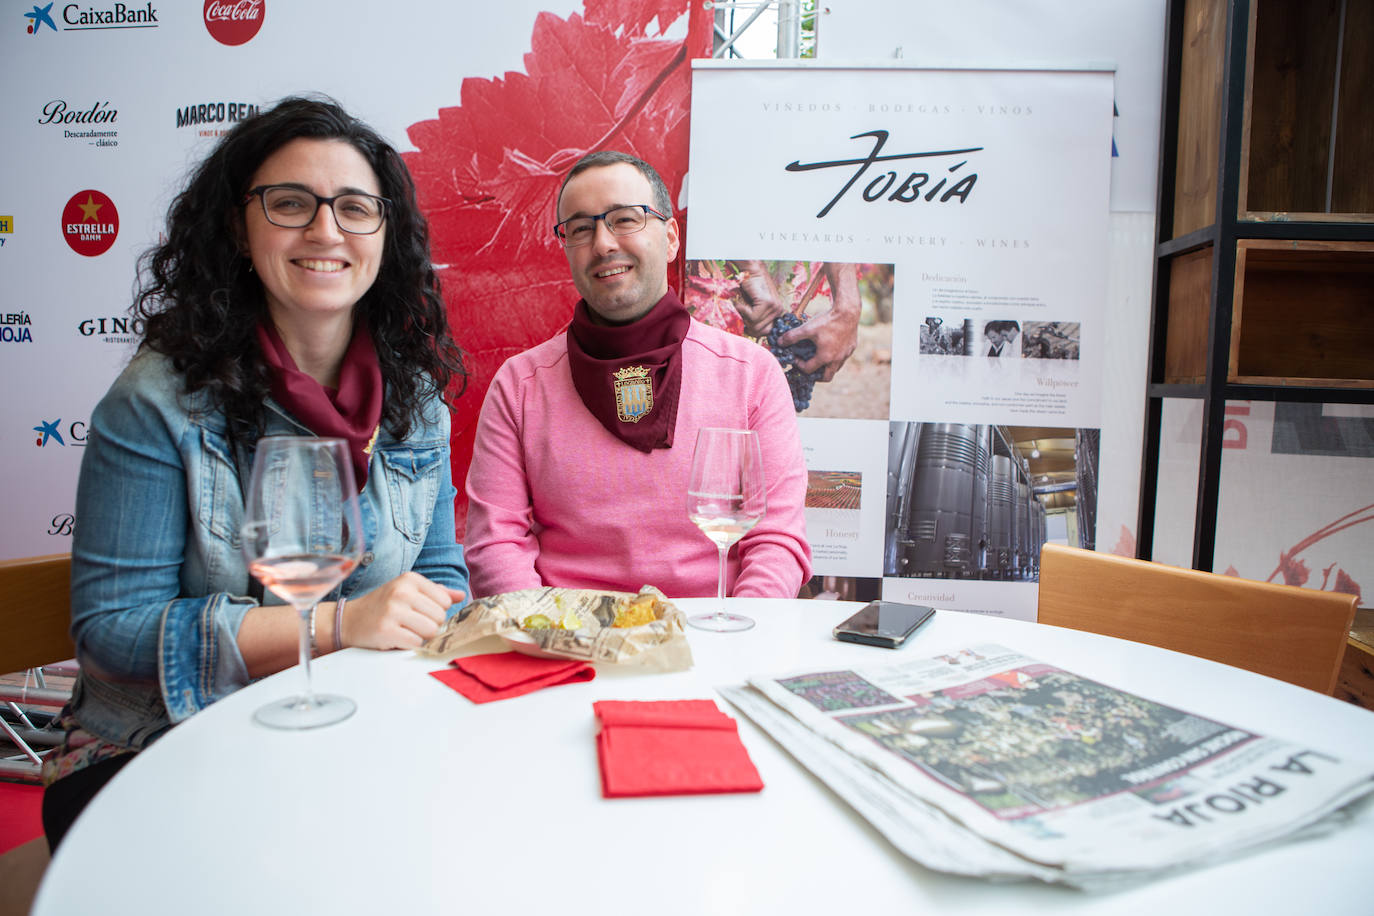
(970, 210)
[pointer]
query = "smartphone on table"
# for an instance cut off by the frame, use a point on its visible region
(884, 623)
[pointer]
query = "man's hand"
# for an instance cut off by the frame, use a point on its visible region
(759, 301)
(835, 332)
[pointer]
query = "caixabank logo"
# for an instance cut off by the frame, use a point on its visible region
(234, 22)
(90, 223)
(38, 17)
(54, 433)
(76, 17)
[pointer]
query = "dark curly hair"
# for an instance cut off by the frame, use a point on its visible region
(200, 302)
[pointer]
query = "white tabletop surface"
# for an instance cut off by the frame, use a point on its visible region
(423, 802)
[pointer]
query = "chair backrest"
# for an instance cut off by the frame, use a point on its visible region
(35, 612)
(1292, 634)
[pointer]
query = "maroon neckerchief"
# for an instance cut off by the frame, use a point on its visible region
(350, 412)
(653, 343)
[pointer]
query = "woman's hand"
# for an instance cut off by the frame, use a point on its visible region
(400, 615)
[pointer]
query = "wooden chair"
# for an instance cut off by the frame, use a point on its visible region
(1292, 634)
(35, 612)
(35, 616)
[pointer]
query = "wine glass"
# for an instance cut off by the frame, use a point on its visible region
(302, 536)
(725, 498)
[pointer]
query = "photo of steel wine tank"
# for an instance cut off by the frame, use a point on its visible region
(968, 501)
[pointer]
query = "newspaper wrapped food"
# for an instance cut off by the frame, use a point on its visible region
(621, 628)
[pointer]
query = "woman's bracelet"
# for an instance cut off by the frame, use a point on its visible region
(338, 622)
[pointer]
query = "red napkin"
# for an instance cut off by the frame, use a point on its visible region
(502, 675)
(671, 747)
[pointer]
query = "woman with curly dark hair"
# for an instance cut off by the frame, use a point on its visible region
(294, 295)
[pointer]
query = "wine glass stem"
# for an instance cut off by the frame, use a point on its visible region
(720, 587)
(308, 699)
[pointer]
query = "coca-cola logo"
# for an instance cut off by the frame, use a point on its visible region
(234, 22)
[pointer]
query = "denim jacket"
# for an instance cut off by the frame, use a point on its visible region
(159, 587)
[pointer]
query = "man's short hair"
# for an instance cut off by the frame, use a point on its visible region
(1001, 327)
(662, 201)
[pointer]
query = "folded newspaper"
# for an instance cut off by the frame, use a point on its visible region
(622, 628)
(992, 764)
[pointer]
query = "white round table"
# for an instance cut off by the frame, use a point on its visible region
(423, 802)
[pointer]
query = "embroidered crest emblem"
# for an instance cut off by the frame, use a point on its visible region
(634, 394)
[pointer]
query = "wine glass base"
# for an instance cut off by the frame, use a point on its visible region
(721, 622)
(297, 713)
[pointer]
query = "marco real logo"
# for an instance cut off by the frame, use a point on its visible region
(234, 22)
(90, 223)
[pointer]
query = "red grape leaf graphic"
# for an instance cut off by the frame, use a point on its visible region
(1348, 586)
(488, 169)
(1295, 571)
(633, 16)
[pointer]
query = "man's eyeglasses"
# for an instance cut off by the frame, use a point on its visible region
(576, 231)
(295, 208)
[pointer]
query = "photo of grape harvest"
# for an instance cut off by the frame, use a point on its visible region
(828, 324)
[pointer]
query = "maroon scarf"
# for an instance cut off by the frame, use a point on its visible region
(350, 412)
(630, 376)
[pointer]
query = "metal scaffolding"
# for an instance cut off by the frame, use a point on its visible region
(728, 32)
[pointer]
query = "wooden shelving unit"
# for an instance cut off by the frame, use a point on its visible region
(1264, 262)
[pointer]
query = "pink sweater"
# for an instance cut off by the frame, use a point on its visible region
(554, 499)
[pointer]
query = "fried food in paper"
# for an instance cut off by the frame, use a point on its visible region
(622, 628)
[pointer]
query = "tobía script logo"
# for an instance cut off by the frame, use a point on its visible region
(234, 22)
(90, 223)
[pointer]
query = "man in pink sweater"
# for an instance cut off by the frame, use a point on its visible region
(581, 482)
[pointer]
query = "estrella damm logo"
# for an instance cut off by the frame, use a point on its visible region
(90, 223)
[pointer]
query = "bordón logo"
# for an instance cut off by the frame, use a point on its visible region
(234, 22)
(96, 122)
(90, 223)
